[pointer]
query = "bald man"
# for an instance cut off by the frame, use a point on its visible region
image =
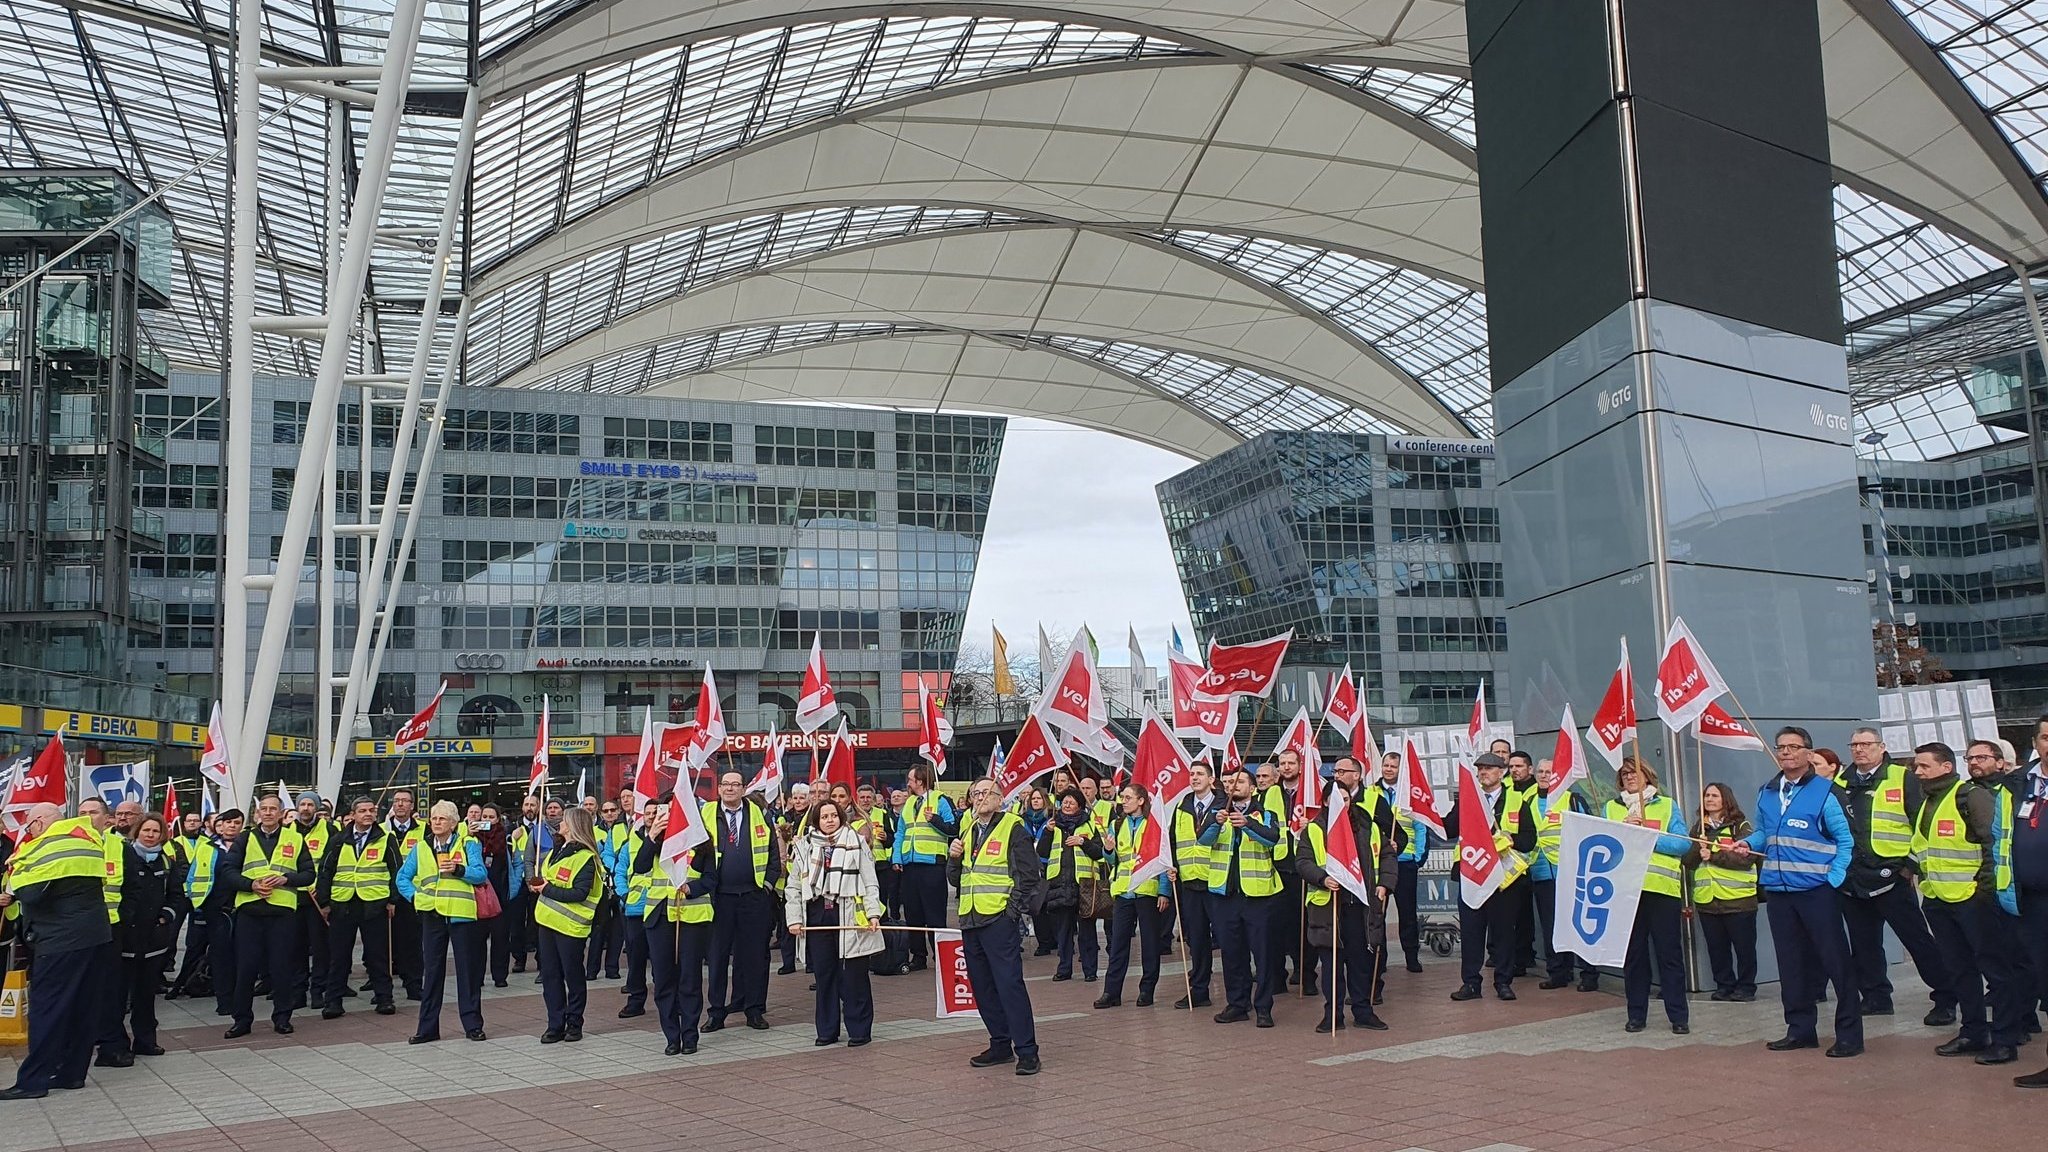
(57, 878)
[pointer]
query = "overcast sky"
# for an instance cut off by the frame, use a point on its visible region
(1074, 536)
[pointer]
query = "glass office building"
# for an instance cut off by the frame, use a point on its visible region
(599, 551)
(1380, 551)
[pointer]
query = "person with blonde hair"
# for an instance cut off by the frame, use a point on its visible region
(439, 879)
(566, 891)
(1662, 907)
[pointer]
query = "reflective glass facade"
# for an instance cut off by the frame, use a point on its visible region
(1375, 550)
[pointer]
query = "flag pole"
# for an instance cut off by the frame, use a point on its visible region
(1753, 729)
(1336, 946)
(1187, 978)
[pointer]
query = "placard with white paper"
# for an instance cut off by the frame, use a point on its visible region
(1600, 869)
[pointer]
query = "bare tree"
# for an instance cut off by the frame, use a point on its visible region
(1901, 660)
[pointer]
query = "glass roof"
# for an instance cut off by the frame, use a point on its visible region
(140, 84)
(638, 369)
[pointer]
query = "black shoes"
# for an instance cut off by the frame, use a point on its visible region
(1060, 977)
(1027, 1066)
(1232, 1016)
(1961, 1047)
(690, 1048)
(713, 1023)
(1144, 1001)
(423, 1038)
(1503, 992)
(572, 1034)
(282, 1027)
(148, 1050)
(785, 970)
(386, 1009)
(1109, 1002)
(824, 1041)
(1263, 1020)
(673, 1049)
(1841, 1050)
(1414, 964)
(1186, 1003)
(331, 1013)
(757, 1021)
(860, 1041)
(475, 1034)
(1873, 1008)
(1998, 1054)
(1550, 985)
(1789, 1043)
(1589, 983)
(236, 1032)
(991, 1056)
(1681, 1029)
(1633, 1026)
(107, 1059)
(1323, 1027)
(1939, 1017)
(629, 1011)
(1468, 992)
(2037, 1080)
(551, 1036)
(12, 1093)
(1373, 1022)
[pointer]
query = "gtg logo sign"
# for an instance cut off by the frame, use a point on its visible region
(1608, 402)
(1822, 418)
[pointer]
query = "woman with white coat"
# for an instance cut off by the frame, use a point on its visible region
(833, 903)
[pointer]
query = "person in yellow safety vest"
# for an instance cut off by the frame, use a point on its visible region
(402, 819)
(1523, 790)
(1139, 903)
(439, 878)
(265, 868)
(1724, 894)
(1549, 812)
(354, 887)
(1244, 838)
(1331, 907)
(567, 891)
(1962, 846)
(678, 927)
(1190, 877)
(110, 850)
(217, 904)
(316, 832)
(55, 888)
(745, 866)
(1661, 911)
(995, 866)
(930, 822)
(1073, 853)
(629, 900)
(1882, 800)
(1487, 933)
(612, 833)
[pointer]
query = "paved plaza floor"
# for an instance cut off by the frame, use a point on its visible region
(1552, 1070)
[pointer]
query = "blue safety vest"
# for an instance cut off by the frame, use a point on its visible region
(1800, 853)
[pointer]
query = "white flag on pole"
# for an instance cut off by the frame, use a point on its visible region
(1600, 869)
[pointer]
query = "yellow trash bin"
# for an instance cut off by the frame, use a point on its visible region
(14, 1008)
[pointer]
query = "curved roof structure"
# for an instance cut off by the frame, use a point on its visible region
(1183, 221)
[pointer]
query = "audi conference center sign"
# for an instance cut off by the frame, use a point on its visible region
(1429, 446)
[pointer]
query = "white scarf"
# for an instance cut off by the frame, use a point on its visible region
(1637, 801)
(834, 872)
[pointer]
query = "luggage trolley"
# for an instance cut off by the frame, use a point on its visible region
(1436, 900)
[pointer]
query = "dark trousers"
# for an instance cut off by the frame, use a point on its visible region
(62, 1019)
(1198, 940)
(1486, 936)
(1167, 917)
(130, 1013)
(1813, 951)
(1558, 965)
(635, 986)
(220, 959)
(498, 944)
(519, 927)
(1731, 949)
(675, 957)
(1979, 948)
(604, 946)
(407, 948)
(924, 906)
(309, 968)
(1244, 927)
(1866, 917)
(1349, 969)
(1069, 930)
(348, 921)
(197, 934)
(266, 944)
(1405, 882)
(785, 943)
(111, 984)
(1523, 893)
(2032, 931)
(1284, 941)
(1138, 915)
(439, 936)
(995, 969)
(843, 989)
(740, 924)
(1653, 948)
(563, 986)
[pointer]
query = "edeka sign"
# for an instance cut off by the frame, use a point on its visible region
(288, 745)
(91, 726)
(480, 746)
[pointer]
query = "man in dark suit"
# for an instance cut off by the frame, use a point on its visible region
(1487, 933)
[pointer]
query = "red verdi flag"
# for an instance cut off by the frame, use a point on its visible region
(213, 757)
(1480, 871)
(1195, 716)
(932, 729)
(1244, 669)
(768, 781)
(539, 776)
(1299, 738)
(1568, 761)
(1475, 728)
(1687, 682)
(1343, 713)
(662, 746)
(1033, 755)
(171, 806)
(816, 703)
(1418, 798)
(415, 730)
(709, 736)
(1614, 722)
(1073, 700)
(1718, 728)
(839, 767)
(1340, 847)
(1160, 765)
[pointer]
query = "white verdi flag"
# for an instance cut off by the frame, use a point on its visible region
(1600, 869)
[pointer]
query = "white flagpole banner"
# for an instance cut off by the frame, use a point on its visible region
(1600, 869)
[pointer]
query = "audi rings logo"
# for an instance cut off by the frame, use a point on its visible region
(480, 662)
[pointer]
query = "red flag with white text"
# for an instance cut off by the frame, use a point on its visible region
(1034, 754)
(1161, 765)
(1244, 669)
(662, 745)
(1475, 728)
(932, 729)
(213, 757)
(1614, 722)
(1210, 719)
(839, 766)
(1715, 726)
(816, 703)
(416, 729)
(171, 807)
(1340, 852)
(709, 734)
(539, 775)
(43, 780)
(768, 781)
(685, 829)
(1073, 700)
(1687, 682)
(1344, 712)
(1418, 796)
(1568, 759)
(1480, 870)
(1299, 738)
